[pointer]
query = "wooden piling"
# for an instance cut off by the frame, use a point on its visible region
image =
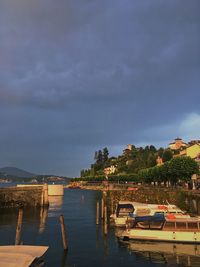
(105, 215)
(42, 198)
(63, 232)
(189, 261)
(45, 195)
(19, 227)
(97, 213)
(105, 221)
(177, 259)
(102, 208)
(112, 206)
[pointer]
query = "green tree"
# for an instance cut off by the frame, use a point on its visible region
(167, 155)
(105, 154)
(182, 168)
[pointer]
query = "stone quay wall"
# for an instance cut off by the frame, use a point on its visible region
(21, 197)
(186, 200)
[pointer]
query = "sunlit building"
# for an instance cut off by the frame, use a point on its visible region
(110, 170)
(178, 144)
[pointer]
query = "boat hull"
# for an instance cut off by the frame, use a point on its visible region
(120, 222)
(162, 236)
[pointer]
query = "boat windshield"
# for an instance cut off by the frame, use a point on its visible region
(124, 209)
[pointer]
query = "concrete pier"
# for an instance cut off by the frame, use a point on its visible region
(23, 196)
(55, 190)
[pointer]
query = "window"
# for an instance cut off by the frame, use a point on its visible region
(169, 225)
(192, 225)
(180, 225)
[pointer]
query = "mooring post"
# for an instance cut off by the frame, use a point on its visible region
(42, 198)
(105, 221)
(102, 208)
(177, 259)
(105, 215)
(189, 261)
(63, 232)
(19, 227)
(45, 195)
(112, 206)
(97, 213)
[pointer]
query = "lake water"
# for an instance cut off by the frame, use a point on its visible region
(89, 246)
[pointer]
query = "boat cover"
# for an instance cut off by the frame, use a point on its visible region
(154, 218)
(20, 256)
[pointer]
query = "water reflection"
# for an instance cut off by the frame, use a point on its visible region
(55, 204)
(185, 254)
(43, 217)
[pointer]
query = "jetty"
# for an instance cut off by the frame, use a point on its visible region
(29, 195)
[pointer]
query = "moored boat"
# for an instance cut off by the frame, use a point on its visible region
(123, 210)
(160, 228)
(127, 210)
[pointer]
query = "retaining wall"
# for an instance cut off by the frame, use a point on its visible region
(21, 196)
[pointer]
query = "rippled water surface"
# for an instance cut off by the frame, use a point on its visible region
(88, 243)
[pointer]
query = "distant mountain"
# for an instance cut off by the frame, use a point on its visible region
(16, 172)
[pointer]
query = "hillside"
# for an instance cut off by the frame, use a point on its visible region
(16, 172)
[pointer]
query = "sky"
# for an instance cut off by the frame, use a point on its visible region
(80, 75)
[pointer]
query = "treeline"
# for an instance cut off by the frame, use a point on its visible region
(37, 178)
(131, 161)
(132, 177)
(177, 170)
(140, 165)
(101, 161)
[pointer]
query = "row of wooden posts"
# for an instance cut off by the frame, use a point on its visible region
(103, 216)
(19, 229)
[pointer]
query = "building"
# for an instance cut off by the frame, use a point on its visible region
(193, 151)
(178, 144)
(128, 149)
(159, 161)
(110, 170)
(193, 142)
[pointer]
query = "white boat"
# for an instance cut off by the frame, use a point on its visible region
(123, 210)
(160, 228)
(126, 210)
(21, 256)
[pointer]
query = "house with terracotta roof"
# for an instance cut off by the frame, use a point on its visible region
(178, 144)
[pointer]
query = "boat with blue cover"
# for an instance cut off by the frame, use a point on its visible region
(126, 210)
(160, 228)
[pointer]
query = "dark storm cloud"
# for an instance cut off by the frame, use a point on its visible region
(84, 74)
